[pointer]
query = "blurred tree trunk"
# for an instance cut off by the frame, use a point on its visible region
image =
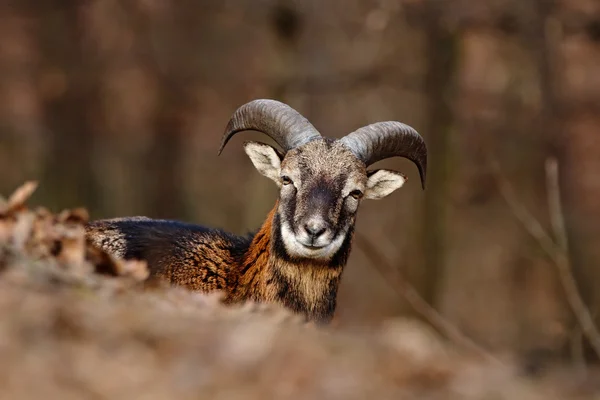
(21, 136)
(542, 43)
(578, 31)
(142, 104)
(68, 180)
(285, 27)
(482, 237)
(494, 270)
(165, 155)
(126, 106)
(440, 50)
(164, 158)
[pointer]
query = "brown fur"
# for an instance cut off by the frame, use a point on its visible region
(205, 260)
(285, 262)
(304, 287)
(260, 268)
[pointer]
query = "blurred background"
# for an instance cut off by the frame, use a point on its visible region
(119, 106)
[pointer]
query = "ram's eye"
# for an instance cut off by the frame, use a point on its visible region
(357, 194)
(286, 180)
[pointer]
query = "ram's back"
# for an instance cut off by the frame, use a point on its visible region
(184, 254)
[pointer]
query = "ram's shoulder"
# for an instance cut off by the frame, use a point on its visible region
(125, 236)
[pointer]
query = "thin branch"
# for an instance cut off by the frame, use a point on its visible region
(413, 298)
(562, 260)
(555, 205)
(557, 251)
(528, 221)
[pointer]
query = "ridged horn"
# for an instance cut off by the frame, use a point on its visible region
(273, 118)
(382, 140)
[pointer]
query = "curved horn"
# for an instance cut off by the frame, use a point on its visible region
(275, 119)
(382, 140)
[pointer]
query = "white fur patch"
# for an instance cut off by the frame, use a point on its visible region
(265, 159)
(297, 249)
(382, 183)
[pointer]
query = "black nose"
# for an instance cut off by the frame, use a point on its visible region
(314, 230)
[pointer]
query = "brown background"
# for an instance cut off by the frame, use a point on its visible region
(119, 106)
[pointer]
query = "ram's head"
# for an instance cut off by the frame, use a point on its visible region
(322, 180)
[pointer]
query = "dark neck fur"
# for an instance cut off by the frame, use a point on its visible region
(305, 286)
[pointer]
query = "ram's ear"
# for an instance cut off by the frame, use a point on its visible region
(266, 159)
(382, 182)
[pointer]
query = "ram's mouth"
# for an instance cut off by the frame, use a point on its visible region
(313, 246)
(316, 245)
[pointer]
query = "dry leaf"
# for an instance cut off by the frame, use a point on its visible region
(74, 216)
(20, 196)
(22, 230)
(136, 269)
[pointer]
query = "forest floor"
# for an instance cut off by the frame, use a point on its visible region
(75, 324)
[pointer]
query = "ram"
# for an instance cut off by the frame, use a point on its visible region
(298, 255)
